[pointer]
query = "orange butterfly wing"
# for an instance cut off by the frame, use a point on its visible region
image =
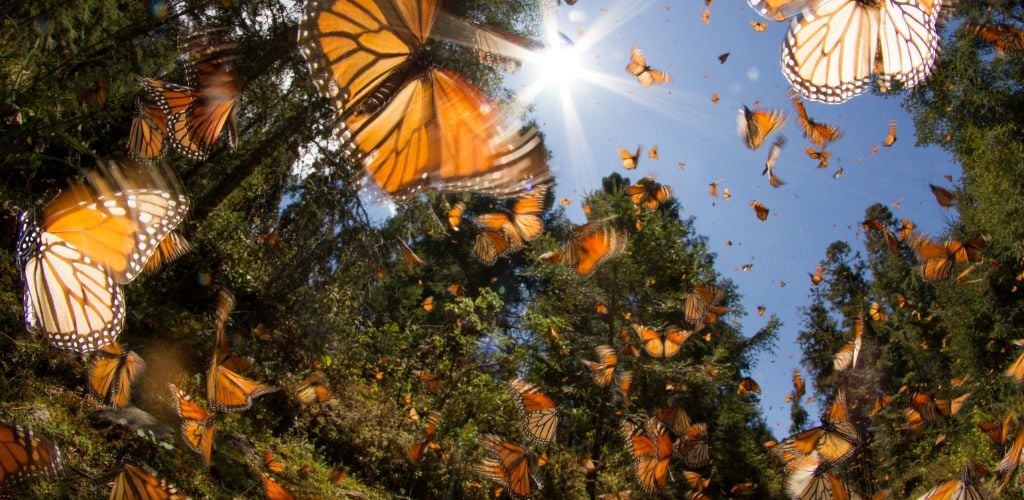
(134, 483)
(197, 427)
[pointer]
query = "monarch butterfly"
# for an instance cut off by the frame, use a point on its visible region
(522, 225)
(146, 137)
(891, 138)
(714, 100)
(761, 310)
(819, 274)
(674, 418)
(271, 463)
(112, 373)
(997, 433)
(760, 210)
(880, 403)
(705, 17)
(412, 125)
(510, 467)
(658, 345)
(847, 355)
(1005, 38)
(226, 390)
(653, 153)
(623, 381)
(696, 481)
(629, 160)
(807, 479)
(409, 258)
(890, 240)
(539, 415)
(957, 489)
(950, 408)
(822, 156)
(723, 57)
(141, 483)
(944, 197)
(693, 446)
(92, 240)
(835, 440)
(651, 449)
(604, 368)
(455, 215)
(432, 381)
(643, 72)
(702, 305)
(428, 304)
(197, 115)
(755, 126)
(23, 454)
(713, 187)
(798, 385)
(273, 490)
(591, 244)
(312, 390)
(819, 133)
(895, 40)
(197, 425)
(937, 259)
(759, 27)
(648, 193)
(748, 385)
(769, 164)
(1016, 370)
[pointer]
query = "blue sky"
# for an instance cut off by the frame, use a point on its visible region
(807, 214)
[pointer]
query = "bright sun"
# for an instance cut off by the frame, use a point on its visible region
(558, 64)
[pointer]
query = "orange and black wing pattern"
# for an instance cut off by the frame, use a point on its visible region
(818, 133)
(112, 373)
(643, 72)
(648, 194)
(509, 467)
(651, 451)
(22, 455)
(603, 369)
(538, 412)
(754, 126)
(197, 426)
(591, 245)
(148, 132)
(140, 483)
(412, 127)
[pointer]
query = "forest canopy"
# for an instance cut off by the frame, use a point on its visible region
(275, 337)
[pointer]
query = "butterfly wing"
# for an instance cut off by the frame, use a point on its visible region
(908, 42)
(538, 411)
(829, 52)
(137, 483)
(591, 245)
(346, 64)
(22, 454)
(147, 133)
(653, 344)
(228, 391)
(273, 490)
(72, 299)
(197, 425)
